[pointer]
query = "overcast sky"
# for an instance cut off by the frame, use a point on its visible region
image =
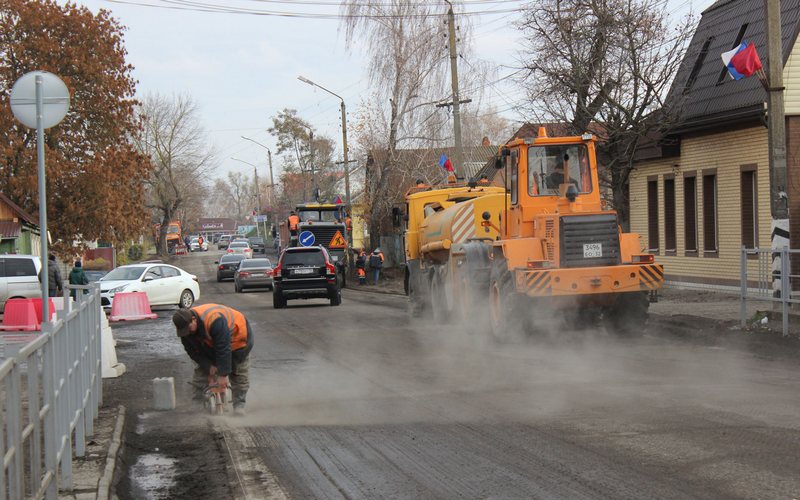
(241, 69)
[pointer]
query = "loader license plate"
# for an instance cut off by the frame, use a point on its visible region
(592, 250)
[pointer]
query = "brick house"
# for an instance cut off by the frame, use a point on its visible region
(702, 192)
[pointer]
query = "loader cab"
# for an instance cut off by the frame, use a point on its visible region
(543, 175)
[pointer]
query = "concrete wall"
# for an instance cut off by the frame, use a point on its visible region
(726, 152)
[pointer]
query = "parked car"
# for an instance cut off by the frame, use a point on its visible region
(304, 273)
(19, 278)
(194, 245)
(258, 245)
(242, 247)
(228, 264)
(253, 273)
(163, 284)
(224, 241)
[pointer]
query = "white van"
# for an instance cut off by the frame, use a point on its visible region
(19, 277)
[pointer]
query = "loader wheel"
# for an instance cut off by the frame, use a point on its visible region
(416, 302)
(507, 314)
(628, 316)
(441, 314)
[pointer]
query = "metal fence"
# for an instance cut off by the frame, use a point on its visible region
(758, 285)
(50, 395)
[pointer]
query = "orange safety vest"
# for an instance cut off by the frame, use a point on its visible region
(235, 321)
(293, 222)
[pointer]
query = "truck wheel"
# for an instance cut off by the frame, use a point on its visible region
(628, 316)
(507, 314)
(278, 301)
(441, 314)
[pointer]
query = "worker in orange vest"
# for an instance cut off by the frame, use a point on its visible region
(361, 264)
(292, 222)
(376, 264)
(219, 340)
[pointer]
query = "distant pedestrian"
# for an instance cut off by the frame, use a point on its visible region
(54, 283)
(361, 265)
(376, 264)
(77, 277)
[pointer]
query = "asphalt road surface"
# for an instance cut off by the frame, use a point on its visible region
(357, 401)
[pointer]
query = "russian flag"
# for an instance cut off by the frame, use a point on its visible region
(742, 61)
(444, 162)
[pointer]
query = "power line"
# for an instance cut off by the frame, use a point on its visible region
(197, 6)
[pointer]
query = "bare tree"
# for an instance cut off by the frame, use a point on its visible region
(604, 61)
(176, 144)
(310, 153)
(407, 66)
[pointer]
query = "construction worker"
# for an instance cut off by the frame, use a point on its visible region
(484, 180)
(219, 339)
(376, 264)
(361, 264)
(420, 184)
(292, 222)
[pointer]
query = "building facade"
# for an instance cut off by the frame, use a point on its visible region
(703, 191)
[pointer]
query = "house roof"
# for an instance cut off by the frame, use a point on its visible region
(19, 211)
(9, 229)
(702, 93)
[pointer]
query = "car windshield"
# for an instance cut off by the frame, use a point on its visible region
(124, 274)
(195, 240)
(255, 263)
(240, 244)
(304, 258)
(231, 258)
(256, 240)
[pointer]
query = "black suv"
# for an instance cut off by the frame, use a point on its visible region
(305, 273)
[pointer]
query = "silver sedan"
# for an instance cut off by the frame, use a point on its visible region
(253, 273)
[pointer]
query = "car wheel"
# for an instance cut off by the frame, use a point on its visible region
(219, 278)
(237, 288)
(336, 298)
(186, 300)
(278, 301)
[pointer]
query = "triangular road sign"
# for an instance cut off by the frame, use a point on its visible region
(338, 241)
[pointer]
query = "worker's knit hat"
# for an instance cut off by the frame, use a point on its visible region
(182, 318)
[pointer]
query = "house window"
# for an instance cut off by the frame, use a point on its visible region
(690, 214)
(749, 200)
(669, 215)
(710, 213)
(652, 215)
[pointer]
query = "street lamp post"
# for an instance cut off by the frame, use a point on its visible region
(258, 193)
(271, 178)
(344, 136)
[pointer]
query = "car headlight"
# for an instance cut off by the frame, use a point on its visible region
(117, 289)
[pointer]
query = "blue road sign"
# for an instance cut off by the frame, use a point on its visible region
(307, 238)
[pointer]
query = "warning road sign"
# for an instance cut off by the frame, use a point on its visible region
(338, 241)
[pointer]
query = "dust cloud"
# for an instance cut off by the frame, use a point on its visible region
(399, 370)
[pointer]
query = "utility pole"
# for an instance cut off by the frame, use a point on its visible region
(459, 157)
(779, 198)
(345, 152)
(271, 182)
(313, 175)
(258, 193)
